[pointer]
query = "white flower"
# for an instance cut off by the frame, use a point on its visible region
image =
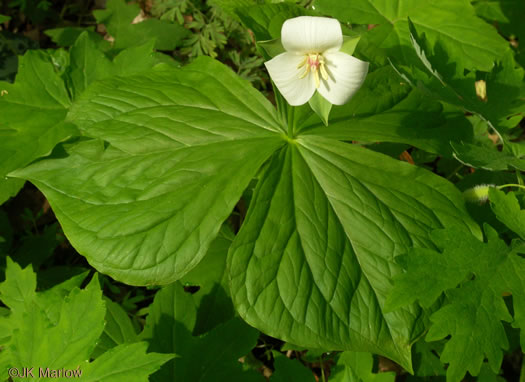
(312, 61)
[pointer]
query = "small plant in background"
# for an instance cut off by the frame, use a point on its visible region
(214, 33)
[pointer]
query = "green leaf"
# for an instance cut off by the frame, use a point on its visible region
(477, 300)
(480, 334)
(290, 370)
(9, 187)
(270, 48)
(4, 18)
(265, 21)
(491, 159)
(33, 110)
(127, 362)
(423, 283)
(314, 268)
(388, 110)
(508, 211)
(89, 64)
(501, 107)
(51, 300)
(472, 42)
(118, 18)
(118, 330)
(506, 13)
(67, 36)
(150, 179)
(357, 366)
(169, 324)
(213, 297)
(210, 357)
(321, 107)
(18, 289)
(426, 362)
(70, 341)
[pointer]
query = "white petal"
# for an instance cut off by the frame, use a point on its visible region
(307, 34)
(285, 74)
(346, 74)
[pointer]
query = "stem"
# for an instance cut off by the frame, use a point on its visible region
(455, 172)
(511, 185)
(323, 376)
(522, 373)
(290, 118)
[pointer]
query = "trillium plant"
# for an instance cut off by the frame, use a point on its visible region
(313, 62)
(326, 208)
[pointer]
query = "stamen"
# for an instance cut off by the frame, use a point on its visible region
(324, 73)
(303, 62)
(305, 72)
(315, 63)
(317, 81)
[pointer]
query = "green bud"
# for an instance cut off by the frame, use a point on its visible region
(477, 194)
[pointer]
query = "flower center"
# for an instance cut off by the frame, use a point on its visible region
(315, 63)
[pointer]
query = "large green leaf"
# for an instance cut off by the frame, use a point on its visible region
(146, 207)
(472, 42)
(314, 261)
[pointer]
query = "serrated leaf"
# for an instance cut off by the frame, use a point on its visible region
(151, 180)
(470, 40)
(88, 63)
(490, 270)
(357, 366)
(119, 17)
(51, 300)
(125, 363)
(480, 334)
(290, 370)
(506, 13)
(34, 106)
(266, 20)
(19, 288)
(501, 107)
(314, 268)
(66, 344)
(67, 36)
(490, 159)
(118, 330)
(421, 281)
(508, 210)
